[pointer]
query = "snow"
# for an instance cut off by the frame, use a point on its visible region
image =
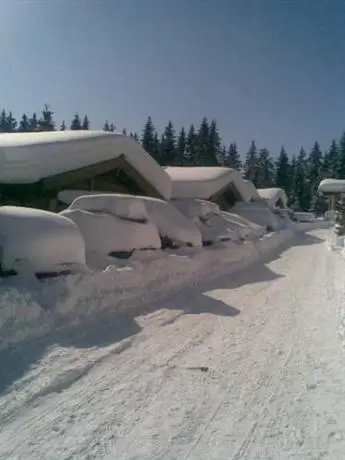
(38, 241)
(304, 216)
(332, 186)
(272, 195)
(234, 366)
(68, 196)
(106, 233)
(205, 181)
(30, 157)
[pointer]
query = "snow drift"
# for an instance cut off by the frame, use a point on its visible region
(38, 241)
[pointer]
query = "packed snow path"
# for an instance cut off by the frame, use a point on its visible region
(249, 367)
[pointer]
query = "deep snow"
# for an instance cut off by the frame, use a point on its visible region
(247, 366)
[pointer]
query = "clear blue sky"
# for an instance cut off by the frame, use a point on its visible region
(268, 70)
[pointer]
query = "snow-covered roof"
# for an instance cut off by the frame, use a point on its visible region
(205, 181)
(29, 157)
(253, 190)
(273, 195)
(332, 186)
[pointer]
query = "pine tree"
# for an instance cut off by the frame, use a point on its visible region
(191, 146)
(341, 158)
(251, 164)
(11, 123)
(168, 145)
(265, 172)
(301, 194)
(112, 127)
(24, 124)
(214, 150)
(233, 158)
(46, 122)
(339, 227)
(3, 121)
(333, 159)
(205, 154)
(148, 140)
(124, 132)
(181, 147)
(76, 123)
(63, 126)
(283, 176)
(86, 123)
(33, 122)
(106, 126)
(314, 170)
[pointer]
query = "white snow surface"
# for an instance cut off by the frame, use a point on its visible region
(105, 233)
(205, 181)
(68, 196)
(33, 240)
(272, 195)
(236, 367)
(29, 157)
(332, 186)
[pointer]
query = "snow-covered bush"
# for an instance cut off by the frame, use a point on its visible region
(258, 213)
(108, 234)
(32, 240)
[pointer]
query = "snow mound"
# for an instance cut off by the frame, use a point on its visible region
(273, 195)
(216, 225)
(106, 233)
(125, 206)
(257, 213)
(32, 240)
(171, 223)
(304, 216)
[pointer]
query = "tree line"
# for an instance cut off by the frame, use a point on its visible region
(298, 174)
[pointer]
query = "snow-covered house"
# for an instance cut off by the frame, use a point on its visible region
(224, 186)
(35, 167)
(275, 197)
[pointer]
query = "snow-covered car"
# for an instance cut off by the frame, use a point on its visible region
(304, 216)
(40, 242)
(174, 228)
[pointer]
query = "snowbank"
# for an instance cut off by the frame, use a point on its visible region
(204, 182)
(38, 241)
(106, 233)
(29, 157)
(332, 186)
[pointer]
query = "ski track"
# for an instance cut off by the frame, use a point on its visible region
(273, 387)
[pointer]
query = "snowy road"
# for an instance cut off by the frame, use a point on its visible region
(248, 368)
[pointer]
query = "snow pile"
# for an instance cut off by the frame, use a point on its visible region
(172, 225)
(38, 241)
(106, 233)
(257, 213)
(216, 225)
